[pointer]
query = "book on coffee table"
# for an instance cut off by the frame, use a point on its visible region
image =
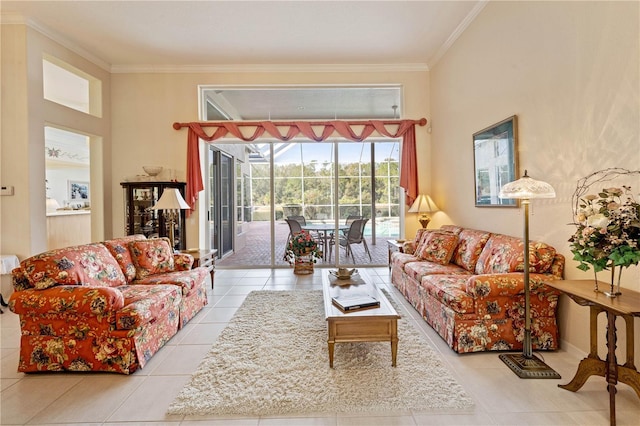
(355, 302)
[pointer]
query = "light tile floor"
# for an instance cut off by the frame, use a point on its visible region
(501, 397)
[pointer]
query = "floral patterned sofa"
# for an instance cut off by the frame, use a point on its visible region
(103, 306)
(469, 286)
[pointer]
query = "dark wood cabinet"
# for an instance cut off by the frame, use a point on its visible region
(140, 218)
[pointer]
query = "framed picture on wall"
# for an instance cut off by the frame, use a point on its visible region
(78, 191)
(495, 160)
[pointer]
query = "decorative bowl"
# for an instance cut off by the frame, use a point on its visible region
(343, 273)
(152, 170)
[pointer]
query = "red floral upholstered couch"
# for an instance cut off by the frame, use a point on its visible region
(103, 306)
(469, 286)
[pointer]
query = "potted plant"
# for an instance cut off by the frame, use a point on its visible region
(303, 252)
(608, 232)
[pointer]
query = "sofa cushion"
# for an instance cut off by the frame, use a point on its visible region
(152, 256)
(89, 264)
(451, 291)
(400, 259)
(143, 304)
(119, 248)
(437, 247)
(503, 254)
(469, 248)
(419, 269)
(186, 280)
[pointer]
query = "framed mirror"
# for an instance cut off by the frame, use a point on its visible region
(495, 161)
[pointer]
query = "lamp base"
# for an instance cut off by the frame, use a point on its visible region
(529, 368)
(424, 221)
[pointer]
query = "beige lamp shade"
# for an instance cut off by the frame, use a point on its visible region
(52, 205)
(423, 205)
(527, 188)
(171, 200)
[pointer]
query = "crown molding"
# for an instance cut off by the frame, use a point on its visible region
(16, 18)
(458, 32)
(275, 68)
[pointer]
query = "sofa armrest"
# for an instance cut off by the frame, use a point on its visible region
(507, 284)
(182, 261)
(409, 247)
(70, 299)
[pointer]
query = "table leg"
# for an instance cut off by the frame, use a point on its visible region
(628, 373)
(612, 366)
(394, 342)
(331, 342)
(592, 365)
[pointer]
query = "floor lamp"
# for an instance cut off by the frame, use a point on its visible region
(526, 365)
(171, 202)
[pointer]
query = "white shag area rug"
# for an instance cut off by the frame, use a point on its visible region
(272, 358)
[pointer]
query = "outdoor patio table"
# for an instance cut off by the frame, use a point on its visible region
(324, 232)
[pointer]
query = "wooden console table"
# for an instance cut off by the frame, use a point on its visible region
(626, 306)
(205, 258)
(394, 246)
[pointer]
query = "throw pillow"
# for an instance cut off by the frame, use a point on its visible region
(504, 254)
(119, 248)
(468, 251)
(437, 247)
(88, 264)
(151, 257)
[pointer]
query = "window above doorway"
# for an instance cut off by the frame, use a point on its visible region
(376, 102)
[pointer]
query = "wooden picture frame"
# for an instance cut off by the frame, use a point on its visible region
(495, 161)
(78, 191)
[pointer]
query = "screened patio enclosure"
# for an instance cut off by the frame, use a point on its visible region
(325, 182)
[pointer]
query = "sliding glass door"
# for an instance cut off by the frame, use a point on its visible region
(221, 201)
(325, 183)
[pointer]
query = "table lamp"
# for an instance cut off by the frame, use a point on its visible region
(171, 202)
(526, 365)
(423, 205)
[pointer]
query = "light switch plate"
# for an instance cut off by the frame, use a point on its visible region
(6, 190)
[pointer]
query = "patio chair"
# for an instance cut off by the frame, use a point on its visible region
(300, 219)
(303, 222)
(355, 235)
(294, 228)
(349, 220)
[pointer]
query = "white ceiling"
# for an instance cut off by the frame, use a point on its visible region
(164, 33)
(162, 36)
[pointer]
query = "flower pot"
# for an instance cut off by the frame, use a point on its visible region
(303, 265)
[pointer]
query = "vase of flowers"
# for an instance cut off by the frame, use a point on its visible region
(608, 233)
(303, 252)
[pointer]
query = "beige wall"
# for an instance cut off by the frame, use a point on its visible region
(570, 72)
(24, 115)
(146, 105)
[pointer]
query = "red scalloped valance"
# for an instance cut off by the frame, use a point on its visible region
(346, 129)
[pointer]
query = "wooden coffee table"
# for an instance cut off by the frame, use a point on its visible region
(368, 325)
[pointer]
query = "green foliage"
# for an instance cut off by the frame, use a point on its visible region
(312, 185)
(608, 230)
